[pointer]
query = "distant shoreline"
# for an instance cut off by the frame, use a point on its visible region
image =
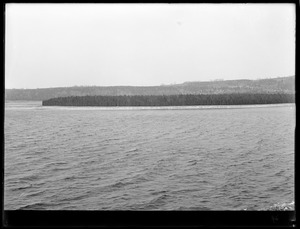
(273, 85)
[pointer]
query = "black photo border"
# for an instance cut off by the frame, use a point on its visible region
(143, 219)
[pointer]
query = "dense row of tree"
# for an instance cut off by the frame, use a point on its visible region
(172, 100)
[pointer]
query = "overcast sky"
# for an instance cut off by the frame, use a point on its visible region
(60, 45)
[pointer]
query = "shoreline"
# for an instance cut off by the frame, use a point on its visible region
(38, 104)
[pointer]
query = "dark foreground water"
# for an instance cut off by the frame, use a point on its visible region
(186, 158)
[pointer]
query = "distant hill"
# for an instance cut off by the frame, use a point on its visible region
(273, 85)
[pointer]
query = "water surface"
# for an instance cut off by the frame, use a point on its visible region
(146, 158)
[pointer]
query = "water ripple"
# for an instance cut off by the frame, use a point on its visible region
(149, 159)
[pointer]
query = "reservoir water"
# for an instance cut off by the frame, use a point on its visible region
(146, 158)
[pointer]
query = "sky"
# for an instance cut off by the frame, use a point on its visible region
(62, 45)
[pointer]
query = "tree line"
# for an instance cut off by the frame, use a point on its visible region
(172, 100)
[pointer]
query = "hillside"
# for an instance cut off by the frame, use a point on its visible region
(274, 85)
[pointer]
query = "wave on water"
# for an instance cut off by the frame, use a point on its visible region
(132, 150)
(278, 207)
(282, 207)
(18, 188)
(34, 206)
(158, 201)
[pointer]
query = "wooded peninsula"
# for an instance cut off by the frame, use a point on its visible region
(173, 100)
